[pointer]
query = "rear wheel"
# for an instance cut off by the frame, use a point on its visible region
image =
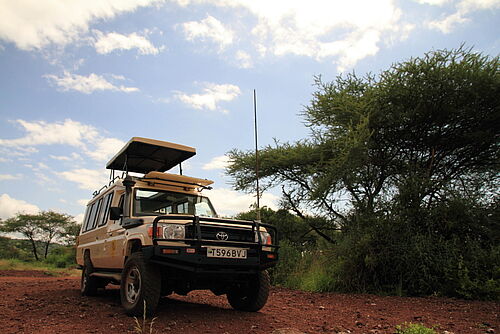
(254, 296)
(88, 284)
(140, 286)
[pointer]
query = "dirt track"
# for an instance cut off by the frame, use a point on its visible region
(33, 303)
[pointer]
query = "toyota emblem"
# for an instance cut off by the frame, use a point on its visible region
(222, 236)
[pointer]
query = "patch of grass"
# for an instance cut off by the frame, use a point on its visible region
(141, 327)
(48, 269)
(410, 328)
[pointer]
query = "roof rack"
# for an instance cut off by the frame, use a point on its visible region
(179, 181)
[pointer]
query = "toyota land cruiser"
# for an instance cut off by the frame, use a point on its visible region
(156, 234)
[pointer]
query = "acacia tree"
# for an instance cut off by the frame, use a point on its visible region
(389, 155)
(54, 225)
(419, 129)
(44, 227)
(26, 224)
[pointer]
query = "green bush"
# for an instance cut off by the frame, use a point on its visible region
(310, 271)
(414, 329)
(289, 256)
(62, 257)
(448, 250)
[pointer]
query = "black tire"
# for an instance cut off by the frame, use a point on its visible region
(88, 284)
(140, 284)
(254, 296)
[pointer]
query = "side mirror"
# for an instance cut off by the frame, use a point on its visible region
(115, 213)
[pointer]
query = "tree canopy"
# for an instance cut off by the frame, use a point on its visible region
(420, 130)
(390, 161)
(44, 227)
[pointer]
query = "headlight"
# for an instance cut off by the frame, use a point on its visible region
(264, 237)
(174, 231)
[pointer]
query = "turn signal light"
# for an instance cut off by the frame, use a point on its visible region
(170, 251)
(271, 256)
(159, 231)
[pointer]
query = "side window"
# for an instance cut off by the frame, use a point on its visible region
(182, 208)
(103, 214)
(94, 214)
(90, 217)
(85, 220)
(120, 204)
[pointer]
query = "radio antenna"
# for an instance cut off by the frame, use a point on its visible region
(256, 155)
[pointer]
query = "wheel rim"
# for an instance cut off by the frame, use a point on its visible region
(84, 280)
(133, 285)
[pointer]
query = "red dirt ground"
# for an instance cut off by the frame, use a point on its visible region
(31, 302)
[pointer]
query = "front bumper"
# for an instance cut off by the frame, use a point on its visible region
(193, 257)
(198, 261)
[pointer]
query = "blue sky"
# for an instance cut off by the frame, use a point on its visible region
(79, 78)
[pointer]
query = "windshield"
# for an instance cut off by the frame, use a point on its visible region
(157, 202)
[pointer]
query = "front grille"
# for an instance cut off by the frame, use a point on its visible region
(209, 232)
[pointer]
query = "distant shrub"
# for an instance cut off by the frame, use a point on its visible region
(62, 257)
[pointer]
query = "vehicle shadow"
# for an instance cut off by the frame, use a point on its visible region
(171, 304)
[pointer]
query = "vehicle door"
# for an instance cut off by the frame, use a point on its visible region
(88, 239)
(100, 253)
(115, 236)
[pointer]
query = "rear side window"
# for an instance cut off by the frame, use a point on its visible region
(89, 219)
(94, 219)
(85, 220)
(90, 222)
(104, 213)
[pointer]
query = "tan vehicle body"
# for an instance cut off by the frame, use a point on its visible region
(156, 234)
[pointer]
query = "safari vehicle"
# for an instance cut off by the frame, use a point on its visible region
(156, 234)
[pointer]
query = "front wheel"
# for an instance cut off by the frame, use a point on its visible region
(140, 286)
(254, 296)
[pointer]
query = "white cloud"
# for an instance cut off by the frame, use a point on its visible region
(79, 218)
(244, 60)
(68, 132)
(33, 24)
(471, 5)
(71, 133)
(343, 31)
(463, 9)
(86, 84)
(72, 157)
(229, 202)
(5, 177)
(9, 207)
(211, 96)
(448, 24)
(208, 29)
(219, 162)
(19, 152)
(105, 148)
(433, 2)
(44, 180)
(88, 179)
(41, 165)
(82, 202)
(107, 43)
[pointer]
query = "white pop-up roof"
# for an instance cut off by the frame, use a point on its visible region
(143, 155)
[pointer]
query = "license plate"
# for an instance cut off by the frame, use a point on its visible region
(227, 253)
